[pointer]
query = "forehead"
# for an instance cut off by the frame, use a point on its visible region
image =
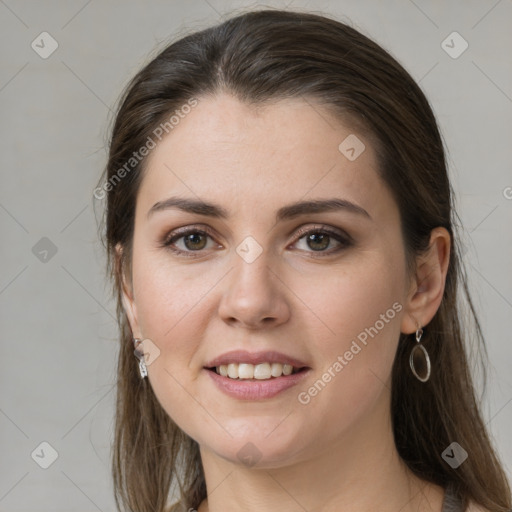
(261, 157)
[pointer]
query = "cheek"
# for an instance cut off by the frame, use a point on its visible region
(166, 296)
(172, 313)
(359, 313)
(174, 308)
(351, 301)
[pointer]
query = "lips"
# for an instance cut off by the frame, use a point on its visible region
(254, 358)
(251, 389)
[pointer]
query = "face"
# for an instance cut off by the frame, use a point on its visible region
(324, 287)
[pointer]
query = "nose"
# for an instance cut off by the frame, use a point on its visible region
(254, 297)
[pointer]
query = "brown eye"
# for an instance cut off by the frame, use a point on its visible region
(318, 241)
(187, 241)
(321, 238)
(194, 241)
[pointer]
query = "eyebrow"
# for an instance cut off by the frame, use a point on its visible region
(285, 213)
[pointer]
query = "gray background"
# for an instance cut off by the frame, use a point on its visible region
(58, 332)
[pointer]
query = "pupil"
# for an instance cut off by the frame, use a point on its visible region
(324, 241)
(194, 238)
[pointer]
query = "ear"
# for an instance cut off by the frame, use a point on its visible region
(127, 295)
(427, 285)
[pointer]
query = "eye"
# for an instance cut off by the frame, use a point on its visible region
(320, 238)
(190, 240)
(187, 241)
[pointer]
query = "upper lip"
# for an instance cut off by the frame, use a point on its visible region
(243, 356)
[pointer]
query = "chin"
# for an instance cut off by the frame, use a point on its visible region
(258, 450)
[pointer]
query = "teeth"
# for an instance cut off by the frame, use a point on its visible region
(263, 371)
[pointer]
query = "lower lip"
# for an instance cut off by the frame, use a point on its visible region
(256, 389)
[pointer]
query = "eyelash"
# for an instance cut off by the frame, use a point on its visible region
(344, 240)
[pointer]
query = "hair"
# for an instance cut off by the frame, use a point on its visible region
(261, 57)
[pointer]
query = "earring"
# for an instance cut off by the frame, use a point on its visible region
(419, 356)
(140, 356)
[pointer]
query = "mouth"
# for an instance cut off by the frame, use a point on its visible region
(256, 372)
(267, 380)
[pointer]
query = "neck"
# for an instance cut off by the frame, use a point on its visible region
(362, 471)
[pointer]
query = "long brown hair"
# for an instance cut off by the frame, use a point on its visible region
(269, 55)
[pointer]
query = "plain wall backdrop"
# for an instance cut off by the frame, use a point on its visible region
(58, 331)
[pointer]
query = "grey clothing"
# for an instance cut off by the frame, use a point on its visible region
(452, 502)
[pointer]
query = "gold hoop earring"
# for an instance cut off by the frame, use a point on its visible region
(419, 356)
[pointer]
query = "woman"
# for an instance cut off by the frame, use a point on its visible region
(280, 231)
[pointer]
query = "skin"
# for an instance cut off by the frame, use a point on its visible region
(335, 453)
